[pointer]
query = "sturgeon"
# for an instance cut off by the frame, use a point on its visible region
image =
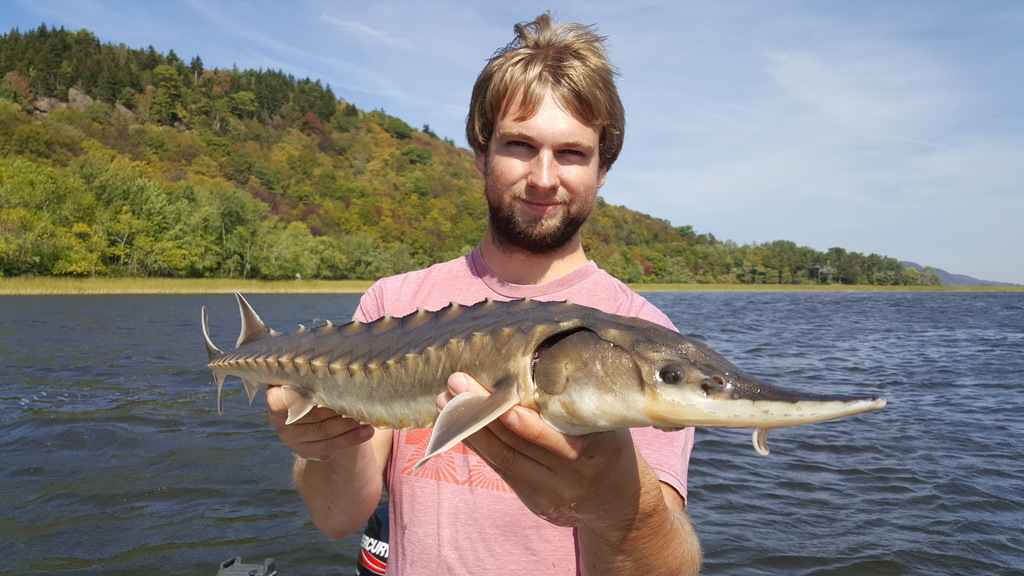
(581, 369)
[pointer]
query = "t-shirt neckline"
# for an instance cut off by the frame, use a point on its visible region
(518, 291)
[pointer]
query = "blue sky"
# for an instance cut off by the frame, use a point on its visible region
(882, 127)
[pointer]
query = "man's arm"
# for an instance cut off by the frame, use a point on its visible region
(660, 539)
(339, 464)
(627, 521)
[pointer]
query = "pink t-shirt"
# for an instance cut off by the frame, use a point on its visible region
(455, 516)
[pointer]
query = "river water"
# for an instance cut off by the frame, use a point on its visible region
(113, 459)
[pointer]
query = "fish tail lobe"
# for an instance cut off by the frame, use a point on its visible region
(211, 350)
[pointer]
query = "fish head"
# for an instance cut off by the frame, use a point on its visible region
(641, 374)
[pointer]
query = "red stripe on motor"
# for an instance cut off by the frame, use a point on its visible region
(371, 562)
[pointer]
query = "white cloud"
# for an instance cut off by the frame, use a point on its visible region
(375, 36)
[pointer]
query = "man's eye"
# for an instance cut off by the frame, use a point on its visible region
(576, 155)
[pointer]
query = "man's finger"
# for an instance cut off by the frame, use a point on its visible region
(534, 431)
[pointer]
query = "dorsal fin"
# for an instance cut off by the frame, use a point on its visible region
(253, 328)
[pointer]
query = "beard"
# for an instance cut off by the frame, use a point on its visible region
(536, 234)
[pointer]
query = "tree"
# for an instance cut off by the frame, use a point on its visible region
(196, 67)
(243, 105)
(166, 107)
(311, 124)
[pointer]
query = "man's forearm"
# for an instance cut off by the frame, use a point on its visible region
(659, 541)
(340, 493)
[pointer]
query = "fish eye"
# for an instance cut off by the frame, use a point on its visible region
(671, 374)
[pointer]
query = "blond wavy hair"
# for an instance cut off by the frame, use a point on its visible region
(569, 60)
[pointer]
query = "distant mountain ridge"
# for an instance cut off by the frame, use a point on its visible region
(949, 279)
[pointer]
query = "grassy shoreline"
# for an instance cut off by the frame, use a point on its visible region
(21, 285)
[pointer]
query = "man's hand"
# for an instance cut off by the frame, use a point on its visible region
(318, 435)
(589, 480)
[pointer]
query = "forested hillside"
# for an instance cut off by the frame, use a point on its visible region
(128, 162)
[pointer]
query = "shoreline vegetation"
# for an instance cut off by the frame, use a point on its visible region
(37, 286)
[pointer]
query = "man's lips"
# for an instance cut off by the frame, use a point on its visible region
(540, 206)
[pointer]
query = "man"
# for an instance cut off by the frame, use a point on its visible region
(545, 124)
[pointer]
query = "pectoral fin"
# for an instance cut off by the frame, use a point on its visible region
(299, 403)
(466, 414)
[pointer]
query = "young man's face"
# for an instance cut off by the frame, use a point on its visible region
(542, 176)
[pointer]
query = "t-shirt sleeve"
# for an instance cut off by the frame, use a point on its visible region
(371, 304)
(640, 307)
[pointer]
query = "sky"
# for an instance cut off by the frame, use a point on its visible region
(894, 128)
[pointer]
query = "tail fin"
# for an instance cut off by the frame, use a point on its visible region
(213, 352)
(253, 329)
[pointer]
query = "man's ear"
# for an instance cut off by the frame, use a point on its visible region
(601, 173)
(480, 159)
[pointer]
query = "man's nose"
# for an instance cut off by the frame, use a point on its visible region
(543, 171)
